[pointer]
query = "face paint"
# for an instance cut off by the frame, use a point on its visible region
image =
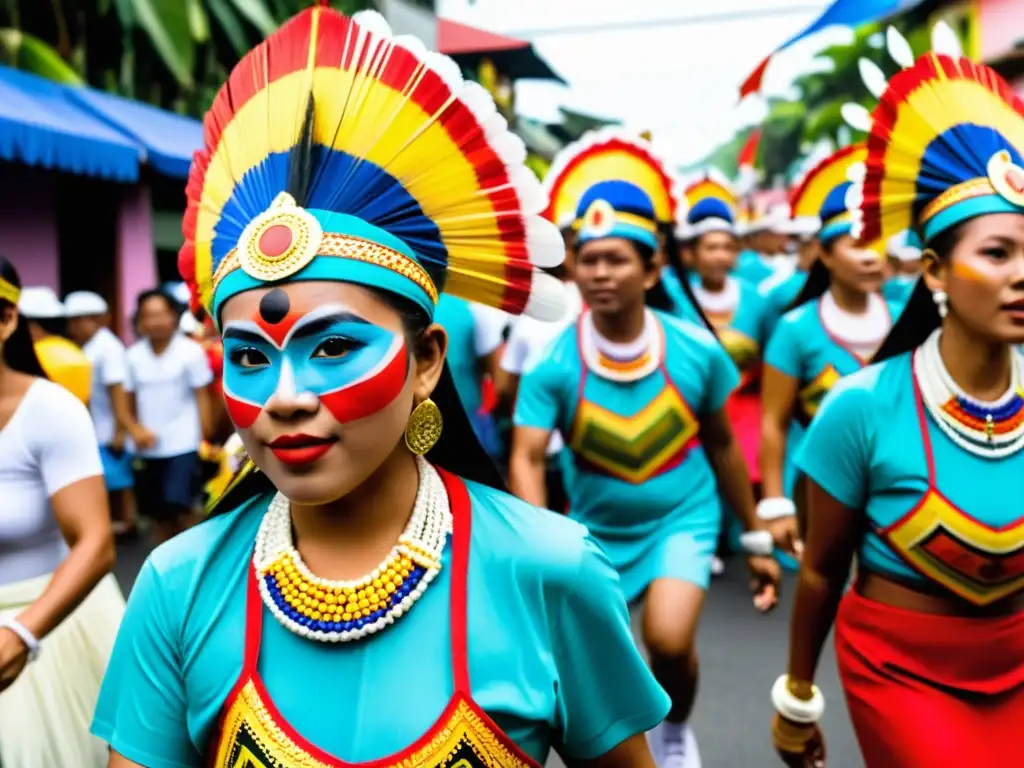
(353, 367)
(967, 272)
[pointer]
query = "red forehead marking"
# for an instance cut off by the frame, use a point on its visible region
(278, 332)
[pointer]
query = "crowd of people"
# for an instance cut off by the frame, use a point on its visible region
(497, 425)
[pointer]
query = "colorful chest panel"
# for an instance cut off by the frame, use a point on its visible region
(254, 734)
(973, 558)
(611, 436)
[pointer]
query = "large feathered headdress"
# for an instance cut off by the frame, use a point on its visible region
(818, 203)
(338, 152)
(946, 143)
(711, 205)
(634, 176)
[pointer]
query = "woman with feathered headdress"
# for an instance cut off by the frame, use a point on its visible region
(639, 395)
(365, 592)
(915, 463)
(832, 329)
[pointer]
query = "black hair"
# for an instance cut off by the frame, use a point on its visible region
(675, 263)
(920, 316)
(458, 450)
(814, 287)
(156, 293)
(19, 354)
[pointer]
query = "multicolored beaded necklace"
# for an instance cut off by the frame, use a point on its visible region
(989, 429)
(621, 362)
(341, 611)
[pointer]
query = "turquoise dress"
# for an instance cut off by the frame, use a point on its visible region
(781, 295)
(898, 288)
(800, 347)
(551, 657)
(935, 514)
(457, 319)
(751, 267)
(642, 483)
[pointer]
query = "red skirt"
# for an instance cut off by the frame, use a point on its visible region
(930, 691)
(744, 412)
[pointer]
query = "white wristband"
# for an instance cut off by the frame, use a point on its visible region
(774, 508)
(31, 641)
(794, 709)
(758, 543)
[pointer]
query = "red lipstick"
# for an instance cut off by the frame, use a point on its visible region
(299, 450)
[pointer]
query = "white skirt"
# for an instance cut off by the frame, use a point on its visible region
(46, 713)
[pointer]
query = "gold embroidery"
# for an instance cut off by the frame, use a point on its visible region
(357, 249)
(249, 731)
(957, 194)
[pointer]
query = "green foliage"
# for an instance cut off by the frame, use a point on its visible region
(815, 115)
(173, 53)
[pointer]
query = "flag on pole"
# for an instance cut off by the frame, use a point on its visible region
(841, 13)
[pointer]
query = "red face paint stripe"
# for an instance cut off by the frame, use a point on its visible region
(242, 414)
(278, 332)
(371, 395)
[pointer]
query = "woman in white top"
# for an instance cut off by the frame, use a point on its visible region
(57, 619)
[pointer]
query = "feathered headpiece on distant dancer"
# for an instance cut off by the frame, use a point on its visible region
(338, 152)
(612, 184)
(712, 205)
(946, 143)
(818, 203)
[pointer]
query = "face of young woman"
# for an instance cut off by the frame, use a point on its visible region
(856, 268)
(715, 256)
(611, 275)
(984, 277)
(318, 380)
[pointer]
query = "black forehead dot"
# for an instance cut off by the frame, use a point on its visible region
(274, 306)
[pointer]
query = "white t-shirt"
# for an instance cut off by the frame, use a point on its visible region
(165, 393)
(107, 355)
(489, 326)
(529, 338)
(48, 444)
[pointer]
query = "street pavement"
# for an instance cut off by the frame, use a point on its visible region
(741, 654)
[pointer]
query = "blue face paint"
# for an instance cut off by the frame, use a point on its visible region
(352, 366)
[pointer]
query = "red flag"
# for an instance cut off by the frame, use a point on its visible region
(748, 155)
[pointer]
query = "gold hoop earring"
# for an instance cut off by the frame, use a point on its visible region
(424, 427)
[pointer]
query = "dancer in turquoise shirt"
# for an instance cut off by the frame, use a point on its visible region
(640, 397)
(914, 465)
(839, 322)
(370, 593)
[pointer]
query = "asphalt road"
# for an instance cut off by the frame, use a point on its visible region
(741, 655)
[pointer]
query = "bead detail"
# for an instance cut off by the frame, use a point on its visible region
(990, 429)
(341, 611)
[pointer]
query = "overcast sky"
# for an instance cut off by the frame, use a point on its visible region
(637, 62)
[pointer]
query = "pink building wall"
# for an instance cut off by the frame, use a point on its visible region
(28, 224)
(136, 253)
(1000, 26)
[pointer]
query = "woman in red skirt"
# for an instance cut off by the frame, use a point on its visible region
(915, 464)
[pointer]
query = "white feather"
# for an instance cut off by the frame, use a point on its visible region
(373, 22)
(447, 69)
(544, 242)
(478, 101)
(510, 148)
(899, 48)
(547, 300)
(412, 44)
(857, 172)
(532, 197)
(945, 41)
(494, 125)
(873, 77)
(856, 116)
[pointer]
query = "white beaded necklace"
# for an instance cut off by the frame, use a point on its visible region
(938, 388)
(646, 349)
(341, 611)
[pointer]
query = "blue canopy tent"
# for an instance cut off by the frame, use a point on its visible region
(40, 126)
(169, 140)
